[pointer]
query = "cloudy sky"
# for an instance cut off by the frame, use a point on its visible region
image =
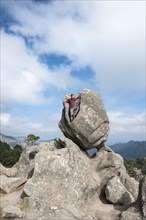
(50, 48)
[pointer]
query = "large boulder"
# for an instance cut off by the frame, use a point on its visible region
(91, 126)
(66, 184)
(63, 183)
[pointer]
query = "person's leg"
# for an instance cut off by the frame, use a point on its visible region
(71, 115)
(76, 111)
(71, 118)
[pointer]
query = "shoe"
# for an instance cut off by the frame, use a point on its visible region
(91, 153)
(92, 156)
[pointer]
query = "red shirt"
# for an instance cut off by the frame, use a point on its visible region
(71, 102)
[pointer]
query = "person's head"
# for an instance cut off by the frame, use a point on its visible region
(72, 95)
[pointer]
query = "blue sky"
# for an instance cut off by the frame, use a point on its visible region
(50, 48)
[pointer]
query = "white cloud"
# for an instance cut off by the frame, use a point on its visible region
(5, 119)
(125, 127)
(108, 35)
(121, 122)
(18, 126)
(23, 78)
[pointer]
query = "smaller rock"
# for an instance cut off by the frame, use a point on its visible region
(12, 172)
(53, 207)
(142, 196)
(130, 216)
(9, 184)
(12, 212)
(117, 193)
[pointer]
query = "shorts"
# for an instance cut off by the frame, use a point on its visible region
(72, 110)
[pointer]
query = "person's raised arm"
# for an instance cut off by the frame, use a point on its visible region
(77, 96)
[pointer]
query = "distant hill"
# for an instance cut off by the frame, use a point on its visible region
(131, 149)
(12, 141)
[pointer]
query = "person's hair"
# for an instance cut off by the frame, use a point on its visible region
(72, 94)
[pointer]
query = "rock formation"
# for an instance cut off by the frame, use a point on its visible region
(90, 128)
(66, 184)
(57, 180)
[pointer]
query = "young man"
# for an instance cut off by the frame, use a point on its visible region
(73, 110)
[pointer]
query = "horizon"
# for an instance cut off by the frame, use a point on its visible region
(106, 142)
(50, 48)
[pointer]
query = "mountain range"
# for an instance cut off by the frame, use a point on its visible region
(12, 141)
(131, 149)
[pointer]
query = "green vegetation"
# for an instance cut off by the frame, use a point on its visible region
(136, 167)
(31, 139)
(9, 156)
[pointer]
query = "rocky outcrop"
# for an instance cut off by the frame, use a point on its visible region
(25, 165)
(117, 193)
(90, 128)
(57, 180)
(66, 184)
(12, 212)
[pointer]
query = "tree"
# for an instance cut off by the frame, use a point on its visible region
(31, 139)
(9, 156)
(136, 167)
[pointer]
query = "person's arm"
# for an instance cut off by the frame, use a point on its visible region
(76, 97)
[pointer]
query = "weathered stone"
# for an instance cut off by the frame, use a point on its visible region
(142, 196)
(8, 185)
(11, 172)
(63, 183)
(117, 193)
(109, 164)
(64, 176)
(66, 183)
(91, 126)
(130, 216)
(25, 165)
(12, 212)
